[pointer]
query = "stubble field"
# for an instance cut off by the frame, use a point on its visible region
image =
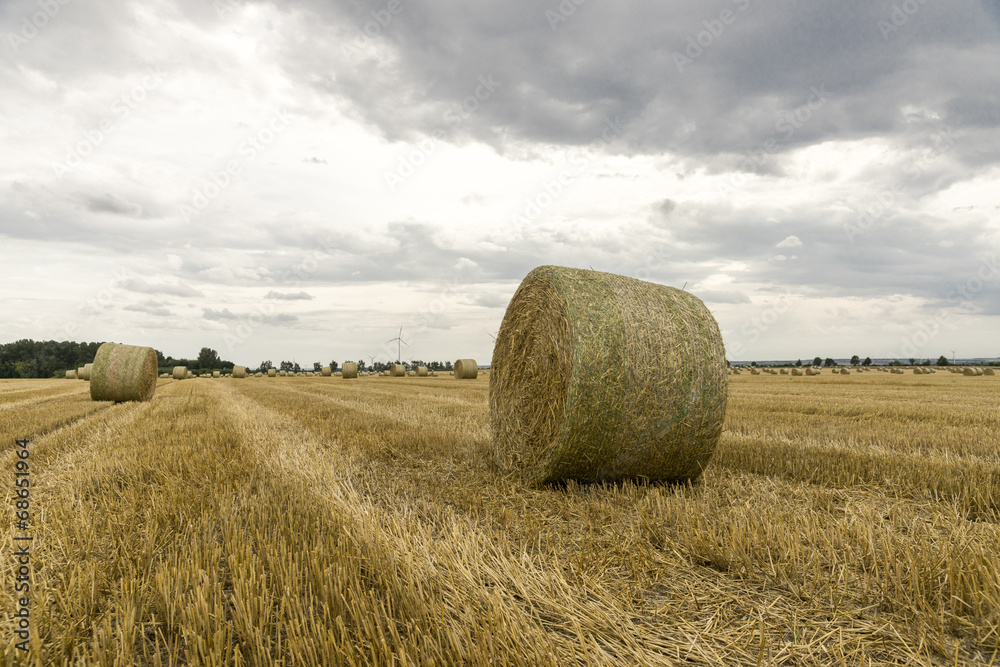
(313, 521)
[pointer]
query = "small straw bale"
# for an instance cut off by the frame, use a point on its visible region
(796, 371)
(845, 371)
(972, 372)
(271, 372)
(397, 370)
(123, 373)
(216, 374)
(601, 377)
(85, 371)
(784, 371)
(466, 369)
(239, 371)
(988, 371)
(180, 373)
(421, 371)
(350, 370)
(754, 371)
(70, 375)
(326, 371)
(410, 373)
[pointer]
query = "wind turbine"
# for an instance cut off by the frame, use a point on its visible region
(399, 339)
(953, 357)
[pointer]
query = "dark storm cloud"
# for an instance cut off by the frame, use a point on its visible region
(753, 75)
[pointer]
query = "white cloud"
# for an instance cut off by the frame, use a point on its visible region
(790, 242)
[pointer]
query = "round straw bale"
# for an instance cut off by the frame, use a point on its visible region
(603, 377)
(988, 371)
(83, 373)
(784, 371)
(796, 371)
(271, 372)
(410, 373)
(466, 369)
(70, 375)
(216, 374)
(239, 371)
(421, 371)
(179, 372)
(397, 370)
(326, 371)
(349, 370)
(845, 371)
(123, 373)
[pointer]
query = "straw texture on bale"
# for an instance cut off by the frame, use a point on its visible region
(179, 372)
(796, 371)
(84, 372)
(600, 377)
(972, 372)
(421, 371)
(216, 374)
(326, 371)
(410, 373)
(349, 370)
(844, 371)
(466, 369)
(271, 372)
(784, 371)
(70, 375)
(239, 371)
(988, 371)
(123, 373)
(397, 370)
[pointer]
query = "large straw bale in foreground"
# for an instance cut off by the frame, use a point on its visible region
(239, 371)
(602, 377)
(349, 370)
(397, 370)
(123, 373)
(466, 369)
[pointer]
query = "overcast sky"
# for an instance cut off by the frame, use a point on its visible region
(300, 179)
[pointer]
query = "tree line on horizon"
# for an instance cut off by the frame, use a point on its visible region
(28, 358)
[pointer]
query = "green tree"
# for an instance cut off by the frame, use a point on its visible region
(855, 360)
(943, 361)
(27, 368)
(913, 362)
(867, 361)
(798, 363)
(264, 366)
(333, 366)
(317, 367)
(208, 358)
(817, 362)
(829, 362)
